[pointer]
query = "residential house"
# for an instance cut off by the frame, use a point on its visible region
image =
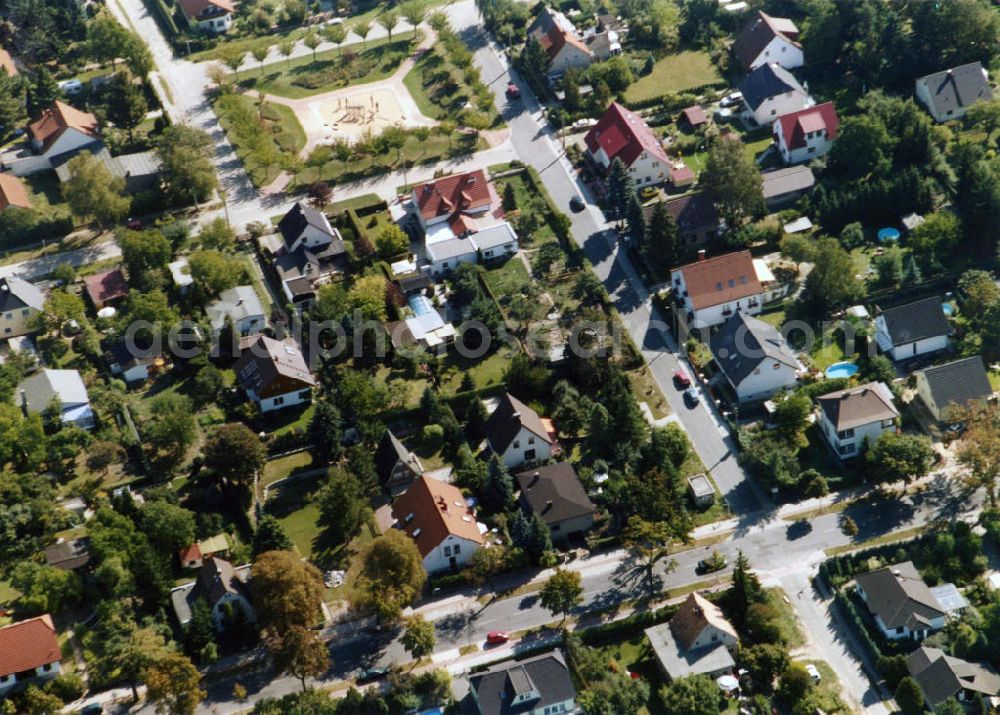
(517, 434)
(489, 244)
(941, 676)
(806, 134)
(770, 91)
(214, 16)
(304, 226)
(61, 129)
(140, 170)
(554, 493)
(68, 554)
(195, 555)
(901, 603)
(602, 42)
(444, 528)
(765, 39)
(130, 363)
(396, 465)
(540, 685)
(273, 373)
(622, 134)
(7, 63)
(65, 387)
(560, 41)
(240, 306)
(454, 206)
(108, 288)
(698, 640)
(782, 187)
(848, 418)
(710, 290)
(13, 193)
(29, 652)
(917, 328)
(303, 271)
(222, 586)
(949, 94)
(698, 222)
(959, 383)
(20, 302)
(754, 358)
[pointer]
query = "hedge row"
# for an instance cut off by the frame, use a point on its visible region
(672, 101)
(627, 627)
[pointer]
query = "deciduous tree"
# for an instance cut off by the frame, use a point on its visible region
(899, 456)
(562, 592)
(300, 652)
(173, 685)
(343, 506)
(185, 164)
(692, 695)
(288, 592)
(235, 454)
(392, 574)
(93, 192)
(649, 542)
(418, 638)
(733, 179)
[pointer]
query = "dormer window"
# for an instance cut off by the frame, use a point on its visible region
(409, 517)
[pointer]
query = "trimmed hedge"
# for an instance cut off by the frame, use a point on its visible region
(627, 627)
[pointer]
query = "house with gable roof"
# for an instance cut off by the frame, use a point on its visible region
(516, 433)
(949, 94)
(697, 219)
(560, 41)
(767, 39)
(540, 685)
(901, 602)
(941, 676)
(622, 134)
(457, 203)
(13, 193)
(698, 640)
(62, 128)
(917, 328)
(959, 383)
(214, 16)
(29, 652)
(46, 387)
(754, 358)
(555, 494)
(312, 254)
(444, 528)
(396, 465)
(273, 373)
(806, 134)
(710, 290)
(239, 305)
(20, 301)
(770, 91)
(849, 418)
(221, 585)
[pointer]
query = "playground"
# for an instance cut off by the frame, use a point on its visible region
(351, 115)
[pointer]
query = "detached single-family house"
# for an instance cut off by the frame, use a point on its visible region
(561, 42)
(222, 586)
(754, 358)
(12, 193)
(554, 493)
(273, 373)
(68, 554)
(517, 434)
(313, 253)
(455, 206)
(849, 417)
(61, 129)
(306, 227)
(540, 685)
(130, 363)
(710, 290)
(622, 134)
(214, 16)
(766, 39)
(240, 306)
(108, 288)
(940, 677)
(395, 465)
(960, 383)
(441, 524)
(46, 387)
(917, 328)
(29, 652)
(20, 301)
(784, 186)
(949, 94)
(488, 244)
(901, 603)
(771, 91)
(698, 222)
(806, 134)
(140, 171)
(698, 640)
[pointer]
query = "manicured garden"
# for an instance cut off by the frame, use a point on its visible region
(674, 73)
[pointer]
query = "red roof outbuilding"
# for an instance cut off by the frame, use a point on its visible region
(106, 287)
(28, 645)
(623, 134)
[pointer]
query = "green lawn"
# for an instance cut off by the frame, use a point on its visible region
(751, 147)
(7, 592)
(282, 467)
(331, 70)
(45, 194)
(527, 199)
(485, 371)
(787, 622)
(440, 89)
(675, 73)
(245, 125)
(508, 278)
(295, 507)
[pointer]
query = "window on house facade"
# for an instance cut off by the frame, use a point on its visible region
(517, 444)
(279, 400)
(457, 550)
(531, 440)
(846, 449)
(888, 423)
(447, 551)
(845, 434)
(529, 454)
(304, 395)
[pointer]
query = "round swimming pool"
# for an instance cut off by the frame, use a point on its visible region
(841, 369)
(948, 309)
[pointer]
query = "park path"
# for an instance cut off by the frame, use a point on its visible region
(309, 112)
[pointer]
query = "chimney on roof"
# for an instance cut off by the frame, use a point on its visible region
(534, 479)
(516, 415)
(548, 505)
(701, 254)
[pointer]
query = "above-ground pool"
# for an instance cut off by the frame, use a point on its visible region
(841, 369)
(888, 234)
(948, 309)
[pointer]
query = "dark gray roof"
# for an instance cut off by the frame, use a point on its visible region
(958, 382)
(957, 87)
(69, 554)
(546, 675)
(507, 420)
(554, 492)
(758, 33)
(899, 596)
(916, 321)
(744, 342)
(293, 223)
(143, 163)
(768, 80)
(389, 453)
(787, 181)
(412, 282)
(691, 211)
(17, 293)
(941, 676)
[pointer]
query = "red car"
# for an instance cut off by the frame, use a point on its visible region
(134, 224)
(681, 378)
(497, 637)
(513, 91)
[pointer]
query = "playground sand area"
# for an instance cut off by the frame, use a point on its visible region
(367, 111)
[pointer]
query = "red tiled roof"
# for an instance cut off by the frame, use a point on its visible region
(720, 279)
(623, 134)
(459, 192)
(557, 38)
(106, 286)
(681, 175)
(57, 119)
(12, 192)
(7, 63)
(796, 125)
(28, 645)
(195, 8)
(695, 115)
(191, 553)
(438, 510)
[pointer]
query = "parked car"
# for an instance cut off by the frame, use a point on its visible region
(813, 672)
(370, 675)
(513, 91)
(576, 204)
(92, 709)
(732, 99)
(71, 87)
(691, 397)
(681, 378)
(715, 562)
(497, 637)
(648, 193)
(723, 115)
